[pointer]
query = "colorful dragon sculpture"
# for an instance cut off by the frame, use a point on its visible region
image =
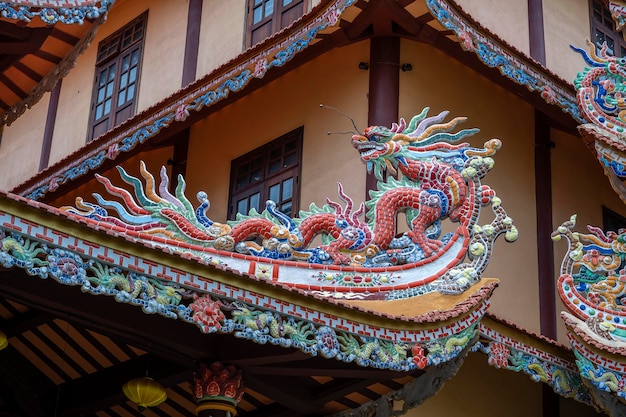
(593, 279)
(437, 180)
(601, 98)
(592, 286)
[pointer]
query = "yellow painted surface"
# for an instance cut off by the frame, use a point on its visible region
(566, 22)
(160, 74)
(493, 392)
(285, 104)
(444, 84)
(20, 148)
(164, 50)
(221, 38)
(479, 389)
(508, 19)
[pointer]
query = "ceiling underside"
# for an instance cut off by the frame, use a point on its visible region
(70, 353)
(33, 57)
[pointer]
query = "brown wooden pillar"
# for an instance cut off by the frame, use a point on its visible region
(217, 389)
(384, 87)
(536, 35)
(192, 41)
(545, 248)
(48, 132)
(545, 251)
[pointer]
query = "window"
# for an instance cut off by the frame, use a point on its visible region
(271, 172)
(612, 221)
(117, 77)
(266, 17)
(603, 29)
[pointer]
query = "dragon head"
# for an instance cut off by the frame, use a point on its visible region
(380, 148)
(388, 148)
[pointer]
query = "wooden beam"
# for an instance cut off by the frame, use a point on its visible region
(47, 56)
(48, 132)
(336, 370)
(384, 89)
(64, 36)
(192, 41)
(12, 86)
(23, 385)
(536, 31)
(289, 392)
(29, 72)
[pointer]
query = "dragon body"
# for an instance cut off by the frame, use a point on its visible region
(438, 180)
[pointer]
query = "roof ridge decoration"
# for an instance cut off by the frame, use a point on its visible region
(618, 13)
(51, 12)
(357, 260)
(505, 352)
(493, 54)
(218, 307)
(592, 282)
(601, 96)
(592, 286)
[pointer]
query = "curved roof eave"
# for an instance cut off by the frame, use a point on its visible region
(29, 228)
(39, 78)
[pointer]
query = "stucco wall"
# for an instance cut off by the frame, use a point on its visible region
(508, 19)
(20, 148)
(566, 22)
(221, 33)
(482, 390)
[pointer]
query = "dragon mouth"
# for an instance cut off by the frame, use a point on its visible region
(367, 149)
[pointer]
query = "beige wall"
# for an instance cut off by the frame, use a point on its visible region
(566, 22)
(508, 19)
(221, 33)
(20, 148)
(480, 390)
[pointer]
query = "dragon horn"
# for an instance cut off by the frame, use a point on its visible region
(345, 198)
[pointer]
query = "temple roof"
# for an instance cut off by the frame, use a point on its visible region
(54, 263)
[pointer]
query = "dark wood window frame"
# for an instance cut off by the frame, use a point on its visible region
(603, 29)
(270, 172)
(116, 81)
(266, 17)
(612, 221)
